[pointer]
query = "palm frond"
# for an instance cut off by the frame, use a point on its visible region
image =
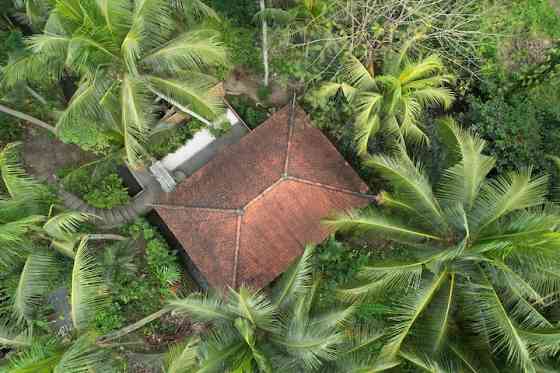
(88, 294)
(310, 345)
(84, 356)
(334, 318)
(9, 338)
(408, 311)
(202, 307)
(254, 307)
(331, 89)
(434, 96)
(462, 182)
(410, 185)
(153, 23)
(49, 45)
(117, 15)
(85, 105)
(33, 284)
(294, 281)
(505, 194)
(136, 118)
(372, 221)
(63, 226)
(14, 238)
(188, 94)
(405, 275)
(191, 50)
(40, 357)
(16, 181)
(195, 9)
(356, 74)
(426, 68)
(504, 333)
(543, 341)
(182, 357)
(423, 361)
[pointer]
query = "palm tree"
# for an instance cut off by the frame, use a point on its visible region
(481, 270)
(393, 101)
(250, 331)
(127, 55)
(73, 353)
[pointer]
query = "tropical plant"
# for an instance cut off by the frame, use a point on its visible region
(73, 351)
(127, 56)
(287, 331)
(482, 272)
(393, 101)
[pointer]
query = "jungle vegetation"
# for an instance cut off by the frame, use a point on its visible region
(448, 109)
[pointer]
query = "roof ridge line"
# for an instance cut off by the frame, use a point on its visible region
(330, 187)
(211, 209)
(236, 252)
(261, 194)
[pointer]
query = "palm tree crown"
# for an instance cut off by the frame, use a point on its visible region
(250, 331)
(393, 101)
(482, 267)
(126, 54)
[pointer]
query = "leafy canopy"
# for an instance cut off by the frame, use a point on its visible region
(481, 272)
(126, 55)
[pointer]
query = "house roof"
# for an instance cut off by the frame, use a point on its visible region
(247, 214)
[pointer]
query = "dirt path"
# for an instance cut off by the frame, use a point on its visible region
(43, 155)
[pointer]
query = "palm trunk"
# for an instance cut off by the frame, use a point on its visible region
(265, 45)
(104, 340)
(106, 237)
(28, 119)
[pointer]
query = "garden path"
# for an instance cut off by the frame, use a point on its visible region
(44, 155)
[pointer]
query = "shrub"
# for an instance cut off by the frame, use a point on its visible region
(511, 129)
(103, 191)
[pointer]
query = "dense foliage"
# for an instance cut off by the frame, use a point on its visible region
(453, 268)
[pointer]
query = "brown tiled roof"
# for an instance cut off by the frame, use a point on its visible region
(246, 215)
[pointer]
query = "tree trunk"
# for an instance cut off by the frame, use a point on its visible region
(265, 45)
(104, 340)
(28, 119)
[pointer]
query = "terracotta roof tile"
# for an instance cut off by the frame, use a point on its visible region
(210, 238)
(314, 158)
(253, 220)
(231, 181)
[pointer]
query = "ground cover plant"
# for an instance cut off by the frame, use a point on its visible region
(448, 110)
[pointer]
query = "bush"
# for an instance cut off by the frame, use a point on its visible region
(171, 140)
(511, 130)
(251, 115)
(142, 286)
(102, 191)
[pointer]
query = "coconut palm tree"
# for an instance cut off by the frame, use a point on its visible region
(481, 270)
(28, 266)
(127, 55)
(74, 351)
(250, 331)
(394, 100)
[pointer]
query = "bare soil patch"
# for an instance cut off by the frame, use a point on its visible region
(43, 155)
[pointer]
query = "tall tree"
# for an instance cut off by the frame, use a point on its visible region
(481, 267)
(126, 55)
(264, 25)
(394, 100)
